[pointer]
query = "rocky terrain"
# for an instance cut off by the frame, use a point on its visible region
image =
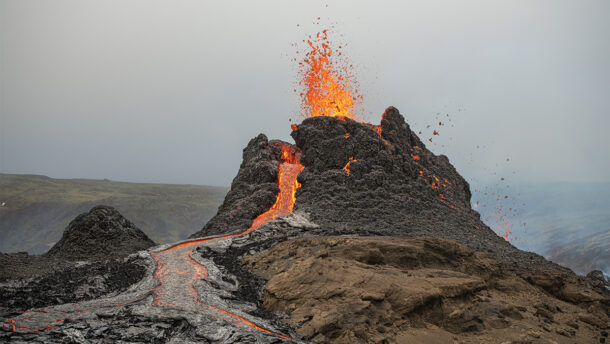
(402, 290)
(357, 233)
(100, 233)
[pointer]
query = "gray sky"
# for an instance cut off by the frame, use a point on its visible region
(171, 91)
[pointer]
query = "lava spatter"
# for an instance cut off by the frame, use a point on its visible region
(326, 82)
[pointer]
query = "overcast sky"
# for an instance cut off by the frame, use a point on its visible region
(171, 91)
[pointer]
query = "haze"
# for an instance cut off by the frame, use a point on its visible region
(172, 91)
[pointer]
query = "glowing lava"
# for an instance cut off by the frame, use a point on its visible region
(346, 167)
(328, 89)
(177, 269)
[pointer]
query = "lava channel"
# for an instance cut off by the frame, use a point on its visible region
(177, 272)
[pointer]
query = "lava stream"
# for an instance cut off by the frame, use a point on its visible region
(176, 269)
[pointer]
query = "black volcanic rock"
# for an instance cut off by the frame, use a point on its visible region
(99, 234)
(253, 190)
(395, 184)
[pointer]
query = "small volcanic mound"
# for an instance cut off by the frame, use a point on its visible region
(411, 290)
(100, 234)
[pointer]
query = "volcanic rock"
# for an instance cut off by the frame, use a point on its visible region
(410, 290)
(68, 283)
(23, 265)
(101, 233)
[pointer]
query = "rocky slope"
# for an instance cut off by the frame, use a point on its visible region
(253, 190)
(585, 254)
(99, 234)
(412, 290)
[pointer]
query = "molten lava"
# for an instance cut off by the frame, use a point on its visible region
(346, 167)
(176, 268)
(287, 181)
(328, 89)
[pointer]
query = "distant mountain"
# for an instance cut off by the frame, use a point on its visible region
(567, 222)
(35, 210)
(584, 255)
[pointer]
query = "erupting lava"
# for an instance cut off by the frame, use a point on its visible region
(176, 268)
(328, 89)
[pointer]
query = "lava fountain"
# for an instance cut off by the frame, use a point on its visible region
(328, 88)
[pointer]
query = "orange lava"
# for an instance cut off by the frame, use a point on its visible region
(328, 89)
(289, 169)
(346, 167)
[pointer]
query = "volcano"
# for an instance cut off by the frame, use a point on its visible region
(365, 179)
(356, 233)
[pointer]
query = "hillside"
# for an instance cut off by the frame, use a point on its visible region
(37, 208)
(563, 221)
(584, 255)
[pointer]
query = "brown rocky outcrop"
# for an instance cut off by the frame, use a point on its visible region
(415, 290)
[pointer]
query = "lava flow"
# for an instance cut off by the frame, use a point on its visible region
(177, 269)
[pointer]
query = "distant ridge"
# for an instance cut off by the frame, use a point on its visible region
(38, 208)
